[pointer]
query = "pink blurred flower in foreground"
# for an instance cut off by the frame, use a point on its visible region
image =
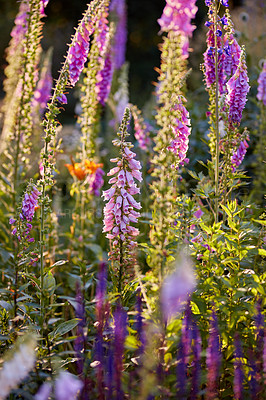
(67, 386)
(177, 287)
(262, 85)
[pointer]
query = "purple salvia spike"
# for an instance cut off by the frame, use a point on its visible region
(120, 331)
(80, 341)
(238, 370)
(253, 385)
(187, 332)
(196, 364)
(110, 373)
(237, 88)
(259, 324)
(100, 316)
(181, 370)
(179, 21)
(262, 85)
(213, 359)
(264, 359)
(120, 38)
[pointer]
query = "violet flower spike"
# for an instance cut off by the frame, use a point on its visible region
(104, 80)
(238, 370)
(209, 61)
(80, 341)
(213, 359)
(120, 320)
(261, 96)
(196, 365)
(181, 375)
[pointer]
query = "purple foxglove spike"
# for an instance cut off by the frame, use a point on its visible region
(104, 80)
(262, 85)
(181, 372)
(29, 203)
(213, 359)
(120, 332)
(174, 19)
(232, 52)
(237, 88)
(43, 90)
(238, 368)
(181, 130)
(120, 211)
(120, 38)
(196, 364)
(209, 61)
(239, 154)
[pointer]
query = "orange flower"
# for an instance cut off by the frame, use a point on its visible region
(91, 166)
(77, 170)
(80, 170)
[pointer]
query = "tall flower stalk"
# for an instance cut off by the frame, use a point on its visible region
(69, 74)
(171, 141)
(120, 211)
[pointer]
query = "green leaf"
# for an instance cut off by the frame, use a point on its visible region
(262, 252)
(63, 328)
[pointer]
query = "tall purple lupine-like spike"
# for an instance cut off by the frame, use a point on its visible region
(253, 384)
(238, 367)
(80, 341)
(120, 38)
(120, 331)
(213, 359)
(196, 364)
(259, 332)
(264, 358)
(181, 376)
(101, 316)
(187, 332)
(110, 374)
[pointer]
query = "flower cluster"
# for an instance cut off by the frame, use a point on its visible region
(21, 25)
(19, 365)
(141, 129)
(29, 203)
(181, 130)
(237, 88)
(177, 15)
(95, 182)
(120, 38)
(262, 85)
(223, 2)
(239, 154)
(120, 211)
